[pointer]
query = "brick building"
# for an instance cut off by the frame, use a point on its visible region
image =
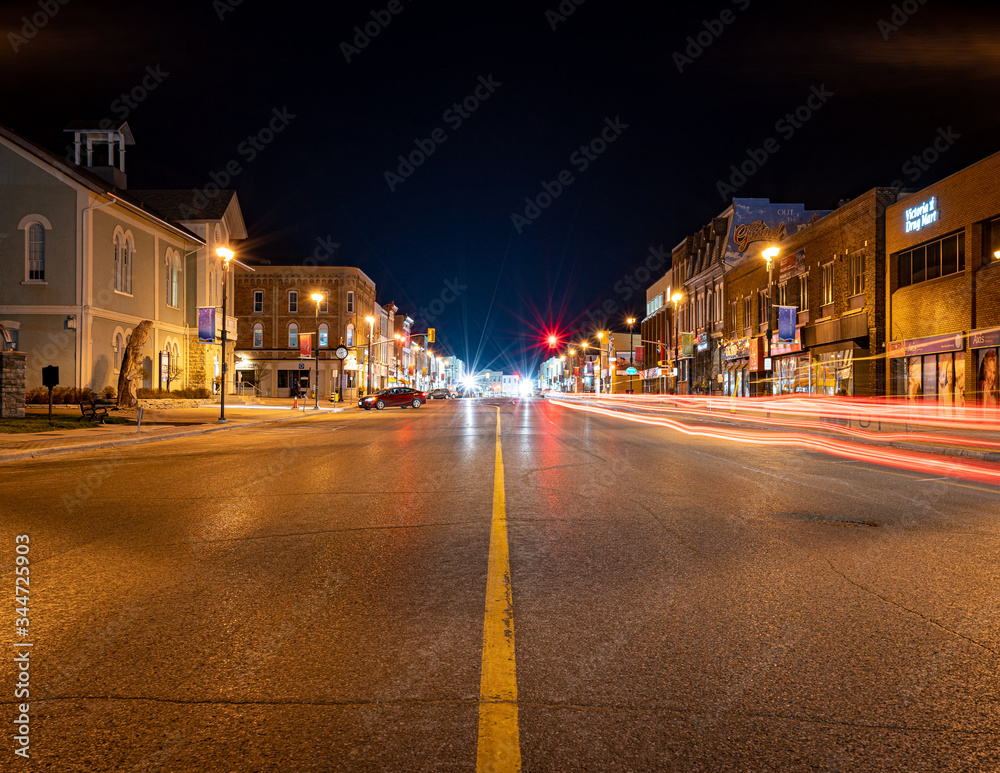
(943, 289)
(275, 307)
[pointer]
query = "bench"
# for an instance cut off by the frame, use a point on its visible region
(95, 410)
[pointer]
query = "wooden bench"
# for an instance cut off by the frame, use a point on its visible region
(95, 410)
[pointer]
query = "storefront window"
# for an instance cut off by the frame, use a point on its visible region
(792, 374)
(938, 377)
(987, 381)
(834, 373)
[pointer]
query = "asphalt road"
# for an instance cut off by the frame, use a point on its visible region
(310, 597)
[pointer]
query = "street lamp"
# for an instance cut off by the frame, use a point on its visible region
(318, 297)
(600, 362)
(769, 255)
(371, 334)
(631, 355)
(227, 255)
(562, 373)
(677, 365)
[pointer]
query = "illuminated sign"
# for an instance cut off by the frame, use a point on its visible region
(746, 234)
(922, 215)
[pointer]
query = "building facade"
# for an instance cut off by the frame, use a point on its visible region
(275, 306)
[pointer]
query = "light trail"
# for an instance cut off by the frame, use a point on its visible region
(967, 469)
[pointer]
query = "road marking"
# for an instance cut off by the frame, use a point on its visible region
(499, 749)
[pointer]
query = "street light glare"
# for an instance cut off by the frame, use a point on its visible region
(770, 253)
(224, 252)
(317, 297)
(676, 297)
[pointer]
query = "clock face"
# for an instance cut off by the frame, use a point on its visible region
(341, 352)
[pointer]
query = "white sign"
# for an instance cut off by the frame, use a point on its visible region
(922, 215)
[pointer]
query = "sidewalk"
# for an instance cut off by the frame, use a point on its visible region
(157, 424)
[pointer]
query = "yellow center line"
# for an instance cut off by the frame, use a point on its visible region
(499, 749)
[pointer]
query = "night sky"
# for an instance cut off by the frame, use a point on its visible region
(683, 96)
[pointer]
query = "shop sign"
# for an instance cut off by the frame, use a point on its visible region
(897, 348)
(701, 342)
(953, 342)
(792, 264)
(687, 344)
(758, 221)
(757, 363)
(979, 339)
(736, 349)
(631, 371)
(653, 373)
(922, 215)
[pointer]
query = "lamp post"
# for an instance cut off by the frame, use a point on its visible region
(631, 355)
(318, 297)
(371, 334)
(227, 255)
(572, 367)
(677, 365)
(600, 362)
(769, 255)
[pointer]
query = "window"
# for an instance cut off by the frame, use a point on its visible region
(258, 336)
(764, 306)
(324, 335)
(173, 279)
(293, 336)
(36, 252)
(350, 303)
(827, 284)
(324, 306)
(258, 301)
(119, 350)
(942, 257)
(803, 292)
(350, 335)
(123, 262)
(746, 312)
(991, 242)
(783, 294)
(293, 302)
(857, 273)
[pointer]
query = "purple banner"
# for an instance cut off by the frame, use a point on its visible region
(980, 339)
(953, 342)
(206, 324)
(787, 317)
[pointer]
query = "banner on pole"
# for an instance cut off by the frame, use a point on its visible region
(206, 324)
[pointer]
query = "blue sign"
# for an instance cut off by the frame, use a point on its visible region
(206, 324)
(787, 317)
(631, 371)
(759, 223)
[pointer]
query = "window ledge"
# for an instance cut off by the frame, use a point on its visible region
(127, 295)
(34, 282)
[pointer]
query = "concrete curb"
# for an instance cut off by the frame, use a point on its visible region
(35, 453)
(966, 453)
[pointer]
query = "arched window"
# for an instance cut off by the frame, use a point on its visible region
(350, 335)
(293, 336)
(36, 252)
(119, 350)
(258, 336)
(119, 260)
(324, 335)
(173, 279)
(124, 253)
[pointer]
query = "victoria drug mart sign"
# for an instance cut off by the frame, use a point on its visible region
(922, 215)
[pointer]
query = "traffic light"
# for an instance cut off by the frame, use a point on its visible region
(430, 335)
(553, 341)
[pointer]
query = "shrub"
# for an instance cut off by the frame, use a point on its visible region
(109, 393)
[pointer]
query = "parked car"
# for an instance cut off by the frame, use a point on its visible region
(438, 394)
(403, 397)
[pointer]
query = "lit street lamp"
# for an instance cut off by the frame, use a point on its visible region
(631, 355)
(318, 297)
(227, 255)
(769, 255)
(677, 365)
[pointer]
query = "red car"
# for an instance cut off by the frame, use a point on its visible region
(386, 398)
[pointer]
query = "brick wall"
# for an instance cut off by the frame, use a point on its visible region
(12, 385)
